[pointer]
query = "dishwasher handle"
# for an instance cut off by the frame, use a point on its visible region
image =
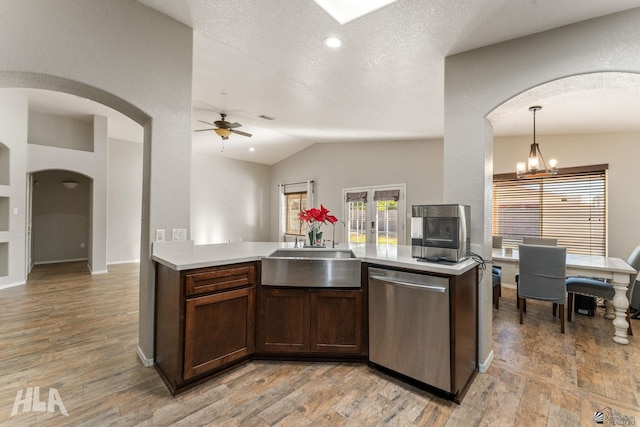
(432, 288)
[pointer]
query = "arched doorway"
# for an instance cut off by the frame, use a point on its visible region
(60, 217)
(18, 262)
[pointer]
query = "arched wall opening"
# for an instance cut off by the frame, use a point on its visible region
(478, 81)
(17, 261)
(143, 70)
(585, 144)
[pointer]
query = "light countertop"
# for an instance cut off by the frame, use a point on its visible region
(184, 255)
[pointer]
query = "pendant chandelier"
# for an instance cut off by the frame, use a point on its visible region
(535, 166)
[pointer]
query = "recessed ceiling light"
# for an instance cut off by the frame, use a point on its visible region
(252, 149)
(346, 11)
(333, 42)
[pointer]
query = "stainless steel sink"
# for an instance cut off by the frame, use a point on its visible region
(311, 268)
(313, 253)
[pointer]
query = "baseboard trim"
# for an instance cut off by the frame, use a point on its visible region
(144, 359)
(133, 261)
(485, 365)
(12, 285)
(60, 261)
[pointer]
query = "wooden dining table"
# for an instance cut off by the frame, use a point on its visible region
(614, 270)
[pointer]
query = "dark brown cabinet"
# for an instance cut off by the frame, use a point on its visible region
(337, 322)
(209, 320)
(283, 320)
(311, 321)
(205, 321)
(218, 330)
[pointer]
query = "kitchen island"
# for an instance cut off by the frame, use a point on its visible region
(213, 312)
(184, 255)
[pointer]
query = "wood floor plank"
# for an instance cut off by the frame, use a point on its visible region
(77, 333)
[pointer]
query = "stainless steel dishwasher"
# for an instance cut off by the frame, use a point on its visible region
(409, 325)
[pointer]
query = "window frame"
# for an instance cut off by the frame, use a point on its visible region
(303, 206)
(567, 223)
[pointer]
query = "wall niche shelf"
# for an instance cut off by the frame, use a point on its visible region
(4, 165)
(4, 214)
(4, 259)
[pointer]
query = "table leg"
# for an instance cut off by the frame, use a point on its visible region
(620, 303)
(609, 310)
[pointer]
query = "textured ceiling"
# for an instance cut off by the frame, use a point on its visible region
(386, 82)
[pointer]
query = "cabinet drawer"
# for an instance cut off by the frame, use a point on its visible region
(219, 278)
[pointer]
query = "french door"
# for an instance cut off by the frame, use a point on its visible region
(375, 214)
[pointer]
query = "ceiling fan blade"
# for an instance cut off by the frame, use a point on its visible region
(202, 130)
(239, 132)
(233, 125)
(206, 122)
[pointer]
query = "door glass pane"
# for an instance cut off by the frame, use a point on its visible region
(357, 222)
(387, 222)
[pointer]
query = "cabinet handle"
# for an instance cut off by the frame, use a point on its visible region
(440, 289)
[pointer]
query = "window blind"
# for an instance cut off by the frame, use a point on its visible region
(570, 207)
(386, 195)
(357, 197)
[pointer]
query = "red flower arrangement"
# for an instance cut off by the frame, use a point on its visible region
(317, 215)
(314, 218)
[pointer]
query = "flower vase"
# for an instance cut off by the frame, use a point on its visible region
(315, 237)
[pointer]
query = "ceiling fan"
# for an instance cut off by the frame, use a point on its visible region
(224, 128)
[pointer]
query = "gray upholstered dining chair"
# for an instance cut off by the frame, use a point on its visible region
(542, 276)
(542, 241)
(598, 288)
(496, 274)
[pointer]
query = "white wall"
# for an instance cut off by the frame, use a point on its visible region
(129, 57)
(620, 150)
(124, 201)
(418, 164)
(478, 81)
(229, 200)
(59, 131)
(13, 134)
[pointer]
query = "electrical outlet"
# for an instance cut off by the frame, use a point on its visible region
(160, 235)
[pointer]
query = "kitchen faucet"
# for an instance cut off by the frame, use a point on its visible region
(333, 239)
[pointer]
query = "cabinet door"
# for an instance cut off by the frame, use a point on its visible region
(284, 321)
(336, 321)
(219, 329)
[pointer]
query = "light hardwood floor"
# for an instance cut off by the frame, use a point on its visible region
(76, 333)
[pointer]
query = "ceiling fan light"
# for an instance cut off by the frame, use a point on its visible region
(222, 132)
